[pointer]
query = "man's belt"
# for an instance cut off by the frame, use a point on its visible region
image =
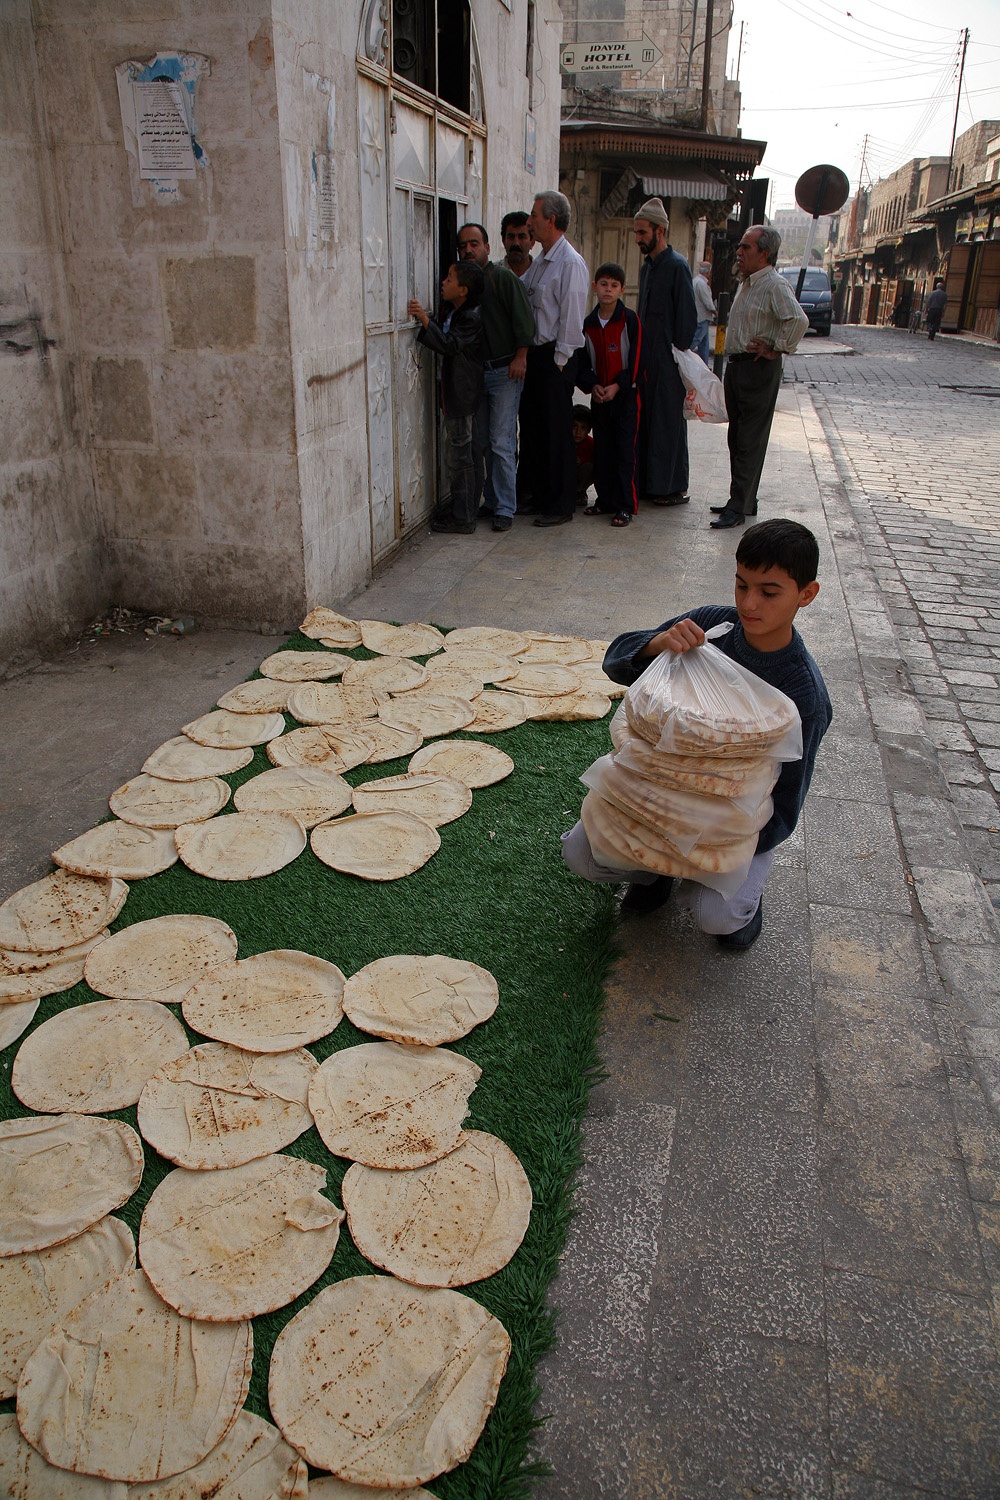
(498, 364)
(736, 358)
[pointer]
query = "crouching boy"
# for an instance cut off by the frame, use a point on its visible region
(776, 566)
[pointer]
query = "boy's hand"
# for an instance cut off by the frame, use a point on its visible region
(414, 309)
(610, 391)
(680, 637)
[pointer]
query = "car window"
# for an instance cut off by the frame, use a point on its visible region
(816, 281)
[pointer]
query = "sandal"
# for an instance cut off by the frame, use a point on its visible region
(621, 519)
(591, 510)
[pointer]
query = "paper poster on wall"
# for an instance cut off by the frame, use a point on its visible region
(323, 225)
(157, 101)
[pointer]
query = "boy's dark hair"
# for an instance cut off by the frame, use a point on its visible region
(781, 544)
(582, 414)
(612, 270)
(473, 278)
(517, 217)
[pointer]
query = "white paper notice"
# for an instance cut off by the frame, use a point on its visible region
(162, 130)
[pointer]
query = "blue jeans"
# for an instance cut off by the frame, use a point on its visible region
(461, 471)
(700, 343)
(494, 441)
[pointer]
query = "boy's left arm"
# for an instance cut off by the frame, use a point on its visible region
(793, 782)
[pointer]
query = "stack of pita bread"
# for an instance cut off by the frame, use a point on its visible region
(698, 745)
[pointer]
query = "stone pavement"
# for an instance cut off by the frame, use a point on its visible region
(782, 1279)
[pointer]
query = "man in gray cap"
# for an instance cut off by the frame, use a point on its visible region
(668, 316)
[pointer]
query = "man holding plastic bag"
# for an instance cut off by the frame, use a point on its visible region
(714, 745)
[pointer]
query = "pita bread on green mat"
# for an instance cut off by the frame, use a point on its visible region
(260, 696)
(392, 1106)
(450, 677)
(240, 1241)
(387, 1384)
(153, 803)
(222, 730)
(390, 744)
(60, 911)
(122, 1415)
(14, 962)
(334, 703)
(425, 1001)
(59, 1174)
(386, 674)
(568, 708)
(400, 640)
(543, 679)
(468, 761)
(496, 711)
(486, 638)
(329, 1487)
(219, 1106)
(428, 712)
(96, 1058)
(34, 980)
(242, 845)
(38, 1288)
(118, 849)
(159, 959)
(304, 666)
(15, 1018)
(554, 648)
(489, 666)
(453, 1222)
(426, 794)
(24, 1474)
(329, 747)
(322, 624)
(272, 1002)
(253, 1462)
(376, 846)
(183, 759)
(310, 795)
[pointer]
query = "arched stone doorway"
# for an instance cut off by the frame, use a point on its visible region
(422, 157)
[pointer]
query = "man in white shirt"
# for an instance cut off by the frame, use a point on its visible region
(557, 283)
(705, 307)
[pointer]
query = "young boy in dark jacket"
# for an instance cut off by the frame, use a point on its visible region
(607, 369)
(456, 336)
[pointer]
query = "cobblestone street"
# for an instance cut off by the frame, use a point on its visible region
(915, 430)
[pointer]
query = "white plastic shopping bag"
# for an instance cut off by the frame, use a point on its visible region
(705, 400)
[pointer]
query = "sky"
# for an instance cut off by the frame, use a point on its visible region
(819, 76)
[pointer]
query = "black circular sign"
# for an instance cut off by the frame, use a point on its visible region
(822, 190)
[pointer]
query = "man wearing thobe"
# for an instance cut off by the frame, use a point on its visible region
(668, 317)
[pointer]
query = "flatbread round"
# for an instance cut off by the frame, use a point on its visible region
(451, 677)
(387, 1384)
(34, 980)
(329, 1487)
(223, 730)
(455, 1221)
(159, 959)
(309, 794)
(253, 1462)
(39, 1287)
(598, 650)
(334, 703)
(322, 624)
(400, 640)
(387, 674)
(390, 744)
(594, 679)
(496, 711)
(261, 696)
(24, 1474)
(102, 1394)
(14, 962)
(426, 794)
(429, 713)
(95, 1058)
(376, 846)
(59, 1174)
(15, 1018)
(240, 1241)
(569, 708)
(59, 911)
(304, 666)
(153, 803)
(486, 638)
(118, 849)
(392, 1106)
(271, 1002)
(547, 648)
(329, 747)
(490, 666)
(183, 759)
(469, 761)
(219, 1106)
(425, 1001)
(544, 680)
(242, 845)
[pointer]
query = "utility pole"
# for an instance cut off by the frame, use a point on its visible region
(706, 76)
(958, 97)
(739, 54)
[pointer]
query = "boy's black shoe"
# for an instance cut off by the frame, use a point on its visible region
(448, 523)
(501, 523)
(642, 899)
(744, 937)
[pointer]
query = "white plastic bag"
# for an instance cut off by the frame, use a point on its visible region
(706, 399)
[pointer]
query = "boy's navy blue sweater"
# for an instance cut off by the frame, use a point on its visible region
(791, 670)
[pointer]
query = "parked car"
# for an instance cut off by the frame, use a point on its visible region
(815, 299)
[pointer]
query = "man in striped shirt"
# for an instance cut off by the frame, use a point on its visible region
(765, 322)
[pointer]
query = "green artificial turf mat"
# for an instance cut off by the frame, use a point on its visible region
(496, 893)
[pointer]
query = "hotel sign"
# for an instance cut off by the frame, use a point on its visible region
(609, 56)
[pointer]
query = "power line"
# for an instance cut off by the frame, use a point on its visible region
(794, 109)
(876, 51)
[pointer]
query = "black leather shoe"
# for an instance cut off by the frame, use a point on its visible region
(642, 899)
(727, 518)
(715, 509)
(448, 523)
(551, 520)
(501, 523)
(744, 937)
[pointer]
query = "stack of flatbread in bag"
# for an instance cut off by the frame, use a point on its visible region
(687, 786)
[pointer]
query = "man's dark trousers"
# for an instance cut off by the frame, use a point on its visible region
(751, 387)
(547, 448)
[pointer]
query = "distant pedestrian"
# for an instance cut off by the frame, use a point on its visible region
(705, 307)
(936, 303)
(669, 317)
(608, 369)
(765, 321)
(557, 283)
(455, 335)
(517, 239)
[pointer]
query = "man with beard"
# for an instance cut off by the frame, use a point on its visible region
(669, 317)
(517, 239)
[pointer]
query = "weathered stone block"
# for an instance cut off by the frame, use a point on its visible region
(121, 403)
(147, 495)
(211, 302)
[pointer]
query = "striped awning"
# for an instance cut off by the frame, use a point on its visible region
(705, 188)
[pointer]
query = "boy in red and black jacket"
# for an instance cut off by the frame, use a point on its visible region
(607, 369)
